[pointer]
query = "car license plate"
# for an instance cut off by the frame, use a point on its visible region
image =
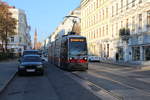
(30, 70)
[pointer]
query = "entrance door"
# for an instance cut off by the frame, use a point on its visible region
(146, 53)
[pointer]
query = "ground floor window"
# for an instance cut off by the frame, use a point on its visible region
(100, 50)
(120, 54)
(136, 53)
(107, 50)
(146, 53)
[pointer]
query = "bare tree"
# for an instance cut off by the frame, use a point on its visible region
(7, 24)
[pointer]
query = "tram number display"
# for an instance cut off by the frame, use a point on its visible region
(77, 40)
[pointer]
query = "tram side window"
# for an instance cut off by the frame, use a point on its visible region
(64, 49)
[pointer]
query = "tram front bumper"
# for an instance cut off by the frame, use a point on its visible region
(78, 66)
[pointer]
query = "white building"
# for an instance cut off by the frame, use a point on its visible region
(71, 23)
(22, 40)
(101, 22)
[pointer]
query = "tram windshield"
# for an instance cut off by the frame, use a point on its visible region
(77, 47)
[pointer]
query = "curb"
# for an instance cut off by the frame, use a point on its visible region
(123, 65)
(7, 82)
(145, 68)
(138, 67)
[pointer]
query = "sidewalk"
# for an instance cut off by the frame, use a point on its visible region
(7, 72)
(128, 64)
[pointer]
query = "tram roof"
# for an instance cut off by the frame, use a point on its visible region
(74, 36)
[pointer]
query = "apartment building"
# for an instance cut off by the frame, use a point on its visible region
(102, 22)
(71, 23)
(22, 39)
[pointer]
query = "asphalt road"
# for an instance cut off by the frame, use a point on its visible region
(125, 83)
(54, 85)
(100, 82)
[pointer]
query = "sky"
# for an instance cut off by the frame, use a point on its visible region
(44, 15)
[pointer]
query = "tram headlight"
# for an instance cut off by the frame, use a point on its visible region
(70, 58)
(85, 58)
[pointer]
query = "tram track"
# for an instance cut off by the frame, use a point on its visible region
(121, 83)
(116, 95)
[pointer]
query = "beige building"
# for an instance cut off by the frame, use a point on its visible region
(102, 22)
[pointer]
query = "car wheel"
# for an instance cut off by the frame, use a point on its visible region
(19, 73)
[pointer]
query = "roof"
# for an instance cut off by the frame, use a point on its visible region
(75, 36)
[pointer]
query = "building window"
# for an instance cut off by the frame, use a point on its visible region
(97, 3)
(103, 14)
(107, 29)
(20, 39)
(148, 18)
(133, 23)
(94, 5)
(112, 30)
(100, 50)
(116, 28)
(106, 12)
(116, 8)
(136, 53)
(121, 5)
(133, 3)
(103, 31)
(146, 53)
(140, 21)
(120, 54)
(100, 16)
(121, 24)
(107, 50)
(140, 1)
(112, 11)
(12, 50)
(127, 4)
(127, 23)
(12, 39)
(99, 33)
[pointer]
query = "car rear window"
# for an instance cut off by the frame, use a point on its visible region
(30, 52)
(31, 59)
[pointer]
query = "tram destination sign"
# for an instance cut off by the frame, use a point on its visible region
(77, 40)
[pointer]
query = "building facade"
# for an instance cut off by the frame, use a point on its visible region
(22, 39)
(102, 22)
(35, 40)
(71, 23)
